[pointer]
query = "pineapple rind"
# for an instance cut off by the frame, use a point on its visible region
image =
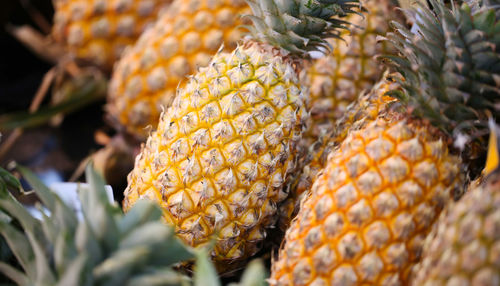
(99, 30)
(337, 79)
(368, 213)
(184, 38)
(464, 246)
(357, 115)
(224, 151)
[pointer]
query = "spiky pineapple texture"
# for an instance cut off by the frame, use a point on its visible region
(337, 79)
(369, 211)
(450, 66)
(99, 30)
(184, 38)
(224, 151)
(358, 114)
(464, 246)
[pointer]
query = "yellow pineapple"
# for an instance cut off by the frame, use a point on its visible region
(464, 246)
(222, 155)
(337, 79)
(358, 114)
(366, 217)
(99, 30)
(185, 38)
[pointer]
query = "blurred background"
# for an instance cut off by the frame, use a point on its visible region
(53, 152)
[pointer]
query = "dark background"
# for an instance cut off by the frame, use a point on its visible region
(44, 149)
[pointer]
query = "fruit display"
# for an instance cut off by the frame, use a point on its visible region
(367, 214)
(99, 30)
(250, 142)
(184, 39)
(224, 151)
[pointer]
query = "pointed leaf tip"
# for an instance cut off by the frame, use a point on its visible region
(492, 159)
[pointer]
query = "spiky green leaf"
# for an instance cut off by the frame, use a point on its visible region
(299, 26)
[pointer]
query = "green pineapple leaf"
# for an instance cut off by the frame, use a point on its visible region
(204, 271)
(255, 274)
(105, 247)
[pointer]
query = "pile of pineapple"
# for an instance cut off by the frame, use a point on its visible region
(356, 168)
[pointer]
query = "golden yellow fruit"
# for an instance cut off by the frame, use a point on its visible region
(368, 213)
(464, 245)
(224, 151)
(99, 30)
(337, 79)
(357, 115)
(183, 39)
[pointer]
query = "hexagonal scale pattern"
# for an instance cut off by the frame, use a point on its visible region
(367, 109)
(224, 151)
(464, 246)
(339, 78)
(183, 39)
(99, 30)
(365, 217)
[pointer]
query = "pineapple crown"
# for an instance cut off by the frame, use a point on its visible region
(299, 26)
(450, 62)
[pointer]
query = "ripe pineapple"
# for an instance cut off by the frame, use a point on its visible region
(336, 81)
(223, 153)
(339, 78)
(184, 39)
(463, 247)
(99, 30)
(358, 113)
(366, 217)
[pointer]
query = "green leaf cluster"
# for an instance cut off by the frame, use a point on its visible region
(299, 26)
(450, 62)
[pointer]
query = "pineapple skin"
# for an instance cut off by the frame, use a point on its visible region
(358, 114)
(337, 79)
(184, 38)
(368, 213)
(99, 30)
(464, 246)
(224, 151)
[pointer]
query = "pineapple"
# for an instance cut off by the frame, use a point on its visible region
(99, 30)
(104, 247)
(368, 213)
(463, 247)
(358, 113)
(222, 155)
(339, 78)
(184, 39)
(336, 81)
